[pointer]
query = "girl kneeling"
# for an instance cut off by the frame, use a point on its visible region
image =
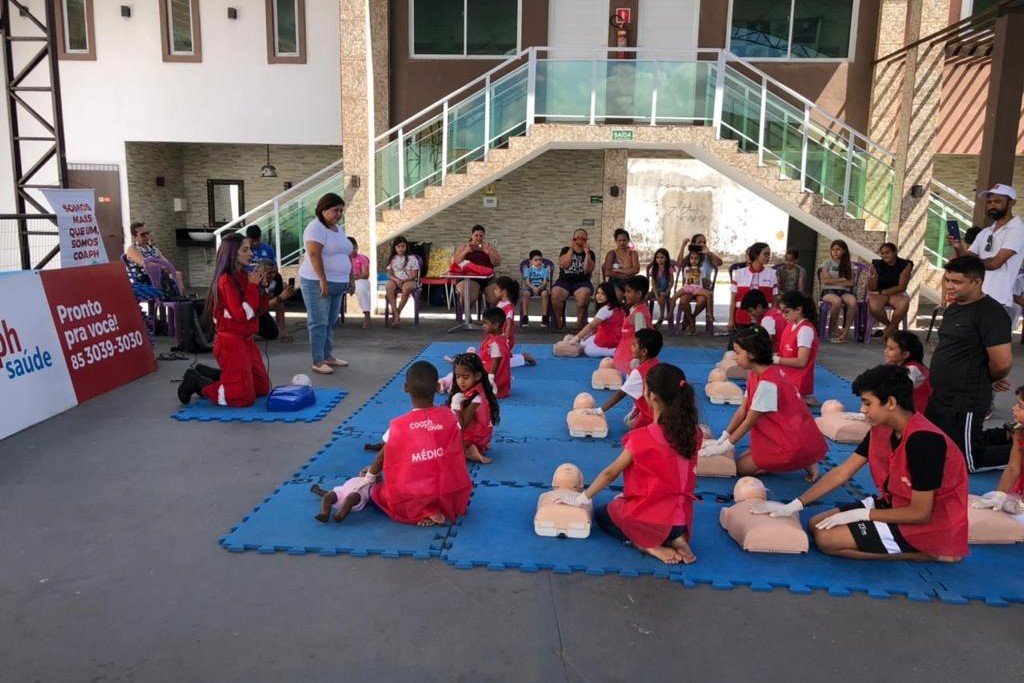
(473, 402)
(602, 334)
(658, 464)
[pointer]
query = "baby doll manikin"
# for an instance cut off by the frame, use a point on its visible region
(730, 367)
(720, 391)
(567, 348)
(555, 519)
(840, 426)
(761, 533)
(606, 376)
(582, 421)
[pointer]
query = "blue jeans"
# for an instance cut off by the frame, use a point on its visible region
(321, 314)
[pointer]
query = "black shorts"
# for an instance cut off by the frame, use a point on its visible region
(879, 538)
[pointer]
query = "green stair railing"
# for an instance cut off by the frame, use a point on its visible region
(944, 204)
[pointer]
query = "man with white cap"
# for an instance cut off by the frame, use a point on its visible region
(1000, 246)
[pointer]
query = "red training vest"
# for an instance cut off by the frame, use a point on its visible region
(509, 329)
(503, 377)
(786, 439)
(479, 431)
(780, 323)
(624, 350)
(644, 414)
(744, 280)
(923, 392)
(609, 331)
(803, 377)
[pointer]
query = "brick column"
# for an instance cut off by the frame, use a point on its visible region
(363, 39)
(613, 209)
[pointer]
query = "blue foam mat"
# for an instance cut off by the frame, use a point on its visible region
(474, 543)
(534, 462)
(284, 523)
(342, 457)
(204, 411)
(991, 573)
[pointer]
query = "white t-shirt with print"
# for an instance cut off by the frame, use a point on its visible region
(999, 282)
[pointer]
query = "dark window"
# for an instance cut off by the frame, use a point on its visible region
(799, 29)
(465, 27)
(286, 27)
(76, 32)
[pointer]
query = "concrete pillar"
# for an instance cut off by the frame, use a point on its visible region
(363, 28)
(1002, 113)
(613, 209)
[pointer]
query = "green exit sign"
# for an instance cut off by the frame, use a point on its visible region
(622, 135)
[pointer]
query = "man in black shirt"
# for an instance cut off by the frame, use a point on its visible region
(973, 358)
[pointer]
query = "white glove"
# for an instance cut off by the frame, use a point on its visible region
(724, 437)
(993, 500)
(457, 401)
(470, 349)
(1014, 505)
(593, 411)
(776, 358)
(576, 500)
(494, 385)
(856, 417)
(847, 517)
(715, 448)
(775, 509)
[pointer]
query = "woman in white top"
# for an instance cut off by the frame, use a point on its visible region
(323, 277)
(403, 271)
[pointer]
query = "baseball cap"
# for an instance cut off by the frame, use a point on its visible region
(999, 188)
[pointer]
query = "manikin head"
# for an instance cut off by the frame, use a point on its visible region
(567, 476)
(301, 380)
(606, 363)
(717, 375)
(749, 488)
(832, 406)
(583, 401)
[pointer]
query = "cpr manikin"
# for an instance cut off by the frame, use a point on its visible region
(731, 368)
(606, 376)
(568, 347)
(555, 519)
(986, 525)
(584, 420)
(720, 390)
(723, 465)
(837, 424)
(760, 533)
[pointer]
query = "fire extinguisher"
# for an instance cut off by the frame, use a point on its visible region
(620, 23)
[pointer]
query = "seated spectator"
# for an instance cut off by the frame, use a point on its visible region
(695, 288)
(147, 266)
(791, 275)
(277, 293)
(403, 271)
(836, 274)
(361, 280)
(699, 242)
(261, 251)
(622, 262)
(576, 266)
(536, 282)
(887, 286)
(662, 274)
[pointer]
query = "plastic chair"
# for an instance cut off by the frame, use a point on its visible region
(545, 315)
(675, 313)
(868, 320)
(860, 271)
(414, 296)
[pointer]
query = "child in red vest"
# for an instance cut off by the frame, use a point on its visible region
(425, 480)
(920, 512)
(1009, 494)
(638, 317)
(783, 436)
(601, 335)
(905, 348)
(507, 291)
(798, 343)
(647, 345)
(473, 402)
(495, 353)
(659, 470)
(755, 304)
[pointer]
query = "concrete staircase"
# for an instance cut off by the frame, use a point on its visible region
(696, 141)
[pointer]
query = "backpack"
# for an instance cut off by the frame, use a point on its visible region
(190, 337)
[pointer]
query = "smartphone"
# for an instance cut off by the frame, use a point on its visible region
(953, 229)
(291, 282)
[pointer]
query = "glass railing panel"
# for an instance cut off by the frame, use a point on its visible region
(386, 175)
(628, 87)
(563, 88)
(508, 107)
(465, 132)
(686, 91)
(422, 149)
(871, 187)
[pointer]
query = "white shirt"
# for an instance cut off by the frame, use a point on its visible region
(337, 252)
(804, 337)
(766, 398)
(604, 313)
(999, 282)
(634, 385)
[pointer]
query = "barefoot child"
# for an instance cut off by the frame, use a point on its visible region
(662, 274)
(495, 353)
(352, 496)
(904, 348)
(602, 334)
(646, 347)
(425, 480)
(473, 402)
(507, 291)
(783, 436)
(361, 281)
(920, 512)
(1009, 494)
(638, 317)
(798, 343)
(658, 464)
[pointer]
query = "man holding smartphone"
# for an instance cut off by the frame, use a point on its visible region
(1000, 246)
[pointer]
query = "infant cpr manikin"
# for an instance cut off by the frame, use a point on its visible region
(582, 422)
(987, 526)
(567, 348)
(761, 533)
(606, 376)
(720, 391)
(730, 367)
(837, 424)
(556, 519)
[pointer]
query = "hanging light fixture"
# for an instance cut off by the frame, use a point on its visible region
(268, 170)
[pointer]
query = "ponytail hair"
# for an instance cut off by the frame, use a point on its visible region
(795, 299)
(679, 418)
(472, 362)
